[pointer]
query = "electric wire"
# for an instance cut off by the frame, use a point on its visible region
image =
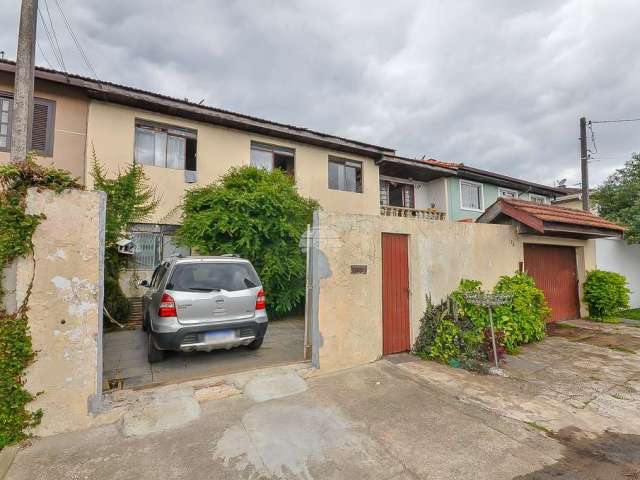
(43, 55)
(55, 37)
(74, 37)
(616, 121)
(51, 43)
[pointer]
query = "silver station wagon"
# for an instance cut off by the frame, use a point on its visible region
(203, 303)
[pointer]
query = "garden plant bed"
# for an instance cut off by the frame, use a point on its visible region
(616, 341)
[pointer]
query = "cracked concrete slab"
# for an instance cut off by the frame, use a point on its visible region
(373, 422)
(556, 384)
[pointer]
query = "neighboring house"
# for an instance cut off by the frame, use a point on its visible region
(59, 121)
(449, 191)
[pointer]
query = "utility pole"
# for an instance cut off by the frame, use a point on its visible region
(584, 163)
(23, 83)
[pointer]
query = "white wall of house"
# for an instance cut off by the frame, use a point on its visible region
(618, 256)
(436, 194)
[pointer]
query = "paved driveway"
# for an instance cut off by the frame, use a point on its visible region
(568, 410)
(125, 357)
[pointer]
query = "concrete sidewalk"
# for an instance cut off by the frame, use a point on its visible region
(372, 422)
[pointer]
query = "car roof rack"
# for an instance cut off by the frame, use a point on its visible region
(234, 255)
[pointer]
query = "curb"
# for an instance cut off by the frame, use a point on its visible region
(7, 454)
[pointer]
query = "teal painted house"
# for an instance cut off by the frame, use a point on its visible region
(448, 191)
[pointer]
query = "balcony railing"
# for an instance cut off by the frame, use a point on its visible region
(428, 214)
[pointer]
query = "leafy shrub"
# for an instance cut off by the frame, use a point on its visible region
(522, 320)
(446, 335)
(129, 200)
(458, 332)
(259, 215)
(606, 294)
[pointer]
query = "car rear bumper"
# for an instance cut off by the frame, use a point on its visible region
(190, 338)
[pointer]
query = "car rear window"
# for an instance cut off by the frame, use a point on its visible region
(206, 277)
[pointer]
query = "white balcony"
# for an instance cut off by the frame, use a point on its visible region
(425, 214)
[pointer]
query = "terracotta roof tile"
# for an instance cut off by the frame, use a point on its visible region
(438, 163)
(548, 213)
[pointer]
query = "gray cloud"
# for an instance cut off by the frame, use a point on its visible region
(494, 84)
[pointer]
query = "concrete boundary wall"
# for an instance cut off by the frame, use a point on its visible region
(65, 306)
(440, 255)
(618, 256)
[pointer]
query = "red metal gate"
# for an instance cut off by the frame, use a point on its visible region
(395, 294)
(555, 272)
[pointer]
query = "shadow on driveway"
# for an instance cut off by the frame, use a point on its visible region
(126, 366)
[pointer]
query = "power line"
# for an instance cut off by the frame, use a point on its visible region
(55, 37)
(43, 55)
(616, 121)
(76, 41)
(51, 43)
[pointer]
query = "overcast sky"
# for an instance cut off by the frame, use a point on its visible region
(493, 84)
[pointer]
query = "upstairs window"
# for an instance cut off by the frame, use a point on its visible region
(471, 196)
(41, 128)
(541, 199)
(397, 194)
(271, 156)
(345, 175)
(507, 192)
(165, 146)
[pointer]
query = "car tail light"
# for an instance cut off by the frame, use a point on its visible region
(261, 300)
(167, 306)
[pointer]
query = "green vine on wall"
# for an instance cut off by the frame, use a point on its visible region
(16, 351)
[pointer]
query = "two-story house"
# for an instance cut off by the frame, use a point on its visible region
(183, 144)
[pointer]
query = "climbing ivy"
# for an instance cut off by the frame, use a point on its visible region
(16, 351)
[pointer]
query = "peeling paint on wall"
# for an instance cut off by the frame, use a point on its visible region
(80, 294)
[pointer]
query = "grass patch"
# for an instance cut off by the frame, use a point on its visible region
(619, 348)
(632, 314)
(611, 320)
(542, 428)
(566, 325)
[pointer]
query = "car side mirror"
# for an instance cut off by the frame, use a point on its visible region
(144, 283)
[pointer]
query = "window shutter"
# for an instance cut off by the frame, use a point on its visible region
(41, 134)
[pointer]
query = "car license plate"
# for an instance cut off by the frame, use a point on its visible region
(219, 336)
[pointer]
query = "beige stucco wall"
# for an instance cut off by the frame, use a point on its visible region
(111, 130)
(70, 124)
(440, 255)
(64, 306)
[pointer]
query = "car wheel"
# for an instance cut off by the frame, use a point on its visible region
(256, 344)
(153, 354)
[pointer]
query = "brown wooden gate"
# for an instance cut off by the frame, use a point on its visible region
(395, 294)
(555, 272)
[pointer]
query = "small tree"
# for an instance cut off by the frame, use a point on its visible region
(618, 199)
(129, 200)
(260, 216)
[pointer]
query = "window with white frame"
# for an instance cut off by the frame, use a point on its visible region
(537, 198)
(345, 175)
(471, 196)
(272, 156)
(397, 194)
(507, 192)
(165, 146)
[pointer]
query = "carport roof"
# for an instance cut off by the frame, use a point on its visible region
(540, 219)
